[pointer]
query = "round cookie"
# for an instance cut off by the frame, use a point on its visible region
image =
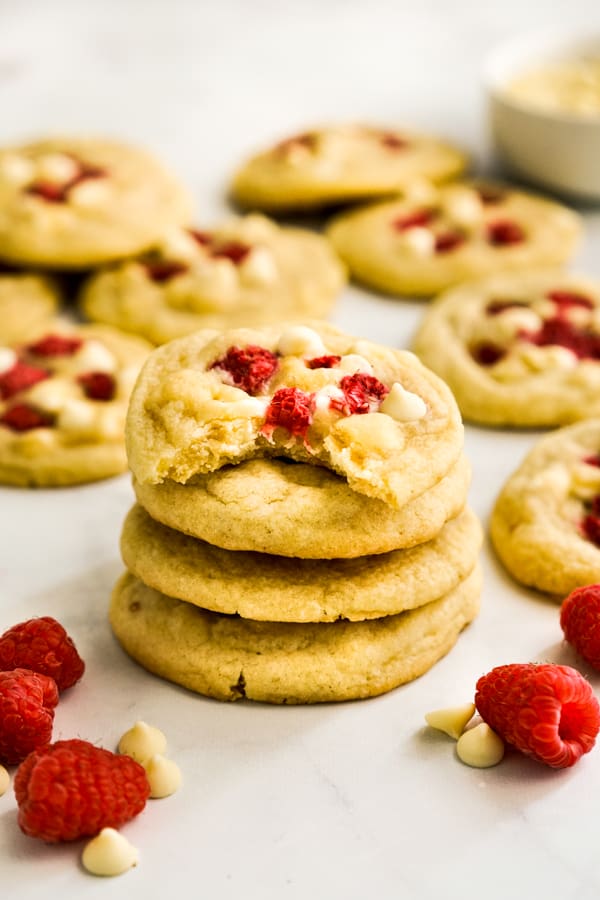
(521, 349)
(294, 509)
(342, 164)
(420, 245)
(228, 657)
(374, 415)
(249, 271)
(279, 589)
(81, 202)
(63, 401)
(26, 302)
(545, 525)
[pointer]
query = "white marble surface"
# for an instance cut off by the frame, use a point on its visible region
(353, 801)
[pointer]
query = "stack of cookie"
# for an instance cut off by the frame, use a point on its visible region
(301, 532)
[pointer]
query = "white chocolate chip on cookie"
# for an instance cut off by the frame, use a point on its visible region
(17, 169)
(108, 854)
(94, 356)
(8, 358)
(419, 240)
(352, 363)
(56, 167)
(453, 720)
(480, 747)
(403, 405)
(298, 340)
(259, 267)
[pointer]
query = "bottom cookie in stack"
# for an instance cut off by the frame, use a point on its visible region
(294, 629)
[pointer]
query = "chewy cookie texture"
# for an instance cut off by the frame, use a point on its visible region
(279, 551)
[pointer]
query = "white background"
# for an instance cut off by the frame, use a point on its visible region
(352, 801)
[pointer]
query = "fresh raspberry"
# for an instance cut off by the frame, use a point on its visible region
(56, 345)
(161, 271)
(495, 307)
(546, 711)
(290, 408)
(362, 394)
(43, 646)
(71, 789)
(504, 232)
(323, 362)
(248, 368)
(580, 622)
(486, 353)
(562, 333)
(98, 385)
(417, 219)
(448, 241)
(23, 417)
(232, 250)
(20, 377)
(567, 299)
(27, 701)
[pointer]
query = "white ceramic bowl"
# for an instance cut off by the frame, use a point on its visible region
(557, 150)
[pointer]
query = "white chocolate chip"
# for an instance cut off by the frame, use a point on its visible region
(353, 363)
(4, 780)
(259, 267)
(453, 720)
(94, 356)
(223, 276)
(480, 747)
(539, 359)
(418, 239)
(109, 853)
(53, 394)
(78, 417)
(17, 169)
(142, 742)
(463, 205)
(508, 323)
(403, 405)
(324, 396)
(555, 479)
(8, 359)
(178, 244)
(421, 192)
(110, 422)
(164, 776)
(56, 167)
(255, 227)
(585, 481)
(298, 340)
(92, 192)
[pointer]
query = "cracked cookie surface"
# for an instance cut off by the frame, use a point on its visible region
(420, 245)
(545, 525)
(374, 415)
(228, 657)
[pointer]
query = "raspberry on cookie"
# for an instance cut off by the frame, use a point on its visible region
(73, 203)
(430, 240)
(63, 400)
(521, 349)
(342, 164)
(378, 417)
(545, 525)
(248, 271)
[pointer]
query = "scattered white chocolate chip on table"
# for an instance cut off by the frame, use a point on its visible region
(164, 776)
(108, 854)
(142, 742)
(452, 720)
(480, 747)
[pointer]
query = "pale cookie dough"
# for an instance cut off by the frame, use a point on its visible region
(63, 401)
(545, 525)
(27, 300)
(81, 202)
(341, 164)
(374, 415)
(279, 589)
(294, 509)
(422, 246)
(228, 657)
(248, 271)
(521, 349)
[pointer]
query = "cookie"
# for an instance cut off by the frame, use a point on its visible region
(420, 245)
(521, 349)
(374, 415)
(247, 272)
(63, 400)
(295, 509)
(545, 525)
(341, 164)
(228, 657)
(279, 589)
(81, 202)
(26, 302)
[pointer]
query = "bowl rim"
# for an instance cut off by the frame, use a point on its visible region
(526, 49)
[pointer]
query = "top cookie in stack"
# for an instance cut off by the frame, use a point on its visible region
(251, 448)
